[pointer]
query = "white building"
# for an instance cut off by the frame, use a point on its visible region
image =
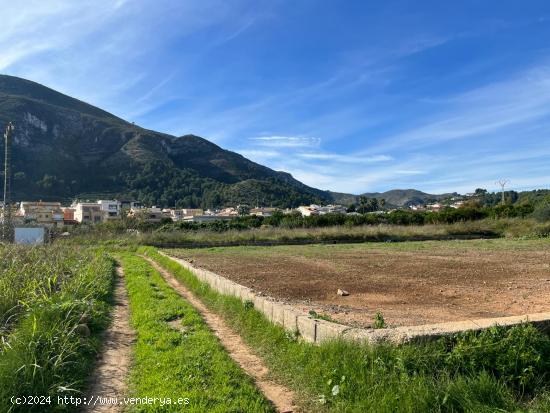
(110, 209)
(263, 212)
(313, 209)
(435, 207)
(190, 212)
(206, 218)
(179, 214)
(308, 211)
(458, 204)
(333, 209)
(42, 213)
(87, 212)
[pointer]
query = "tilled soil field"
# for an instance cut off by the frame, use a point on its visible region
(409, 283)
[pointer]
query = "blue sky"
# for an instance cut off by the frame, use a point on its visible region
(352, 96)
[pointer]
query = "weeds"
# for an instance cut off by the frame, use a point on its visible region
(319, 316)
(379, 321)
(42, 352)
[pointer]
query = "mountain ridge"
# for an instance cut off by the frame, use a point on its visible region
(393, 197)
(65, 148)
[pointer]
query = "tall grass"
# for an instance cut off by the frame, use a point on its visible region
(376, 233)
(487, 228)
(57, 296)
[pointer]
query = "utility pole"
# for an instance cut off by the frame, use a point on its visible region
(7, 225)
(503, 183)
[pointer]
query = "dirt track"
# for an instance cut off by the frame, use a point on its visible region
(281, 397)
(426, 283)
(109, 379)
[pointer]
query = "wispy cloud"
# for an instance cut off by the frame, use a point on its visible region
(483, 111)
(287, 141)
(346, 158)
(106, 52)
(260, 155)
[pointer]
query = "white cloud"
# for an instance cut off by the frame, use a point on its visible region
(102, 51)
(483, 111)
(409, 172)
(345, 158)
(287, 141)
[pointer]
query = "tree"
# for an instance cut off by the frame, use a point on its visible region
(243, 210)
(480, 191)
(363, 204)
(47, 182)
(542, 213)
(373, 205)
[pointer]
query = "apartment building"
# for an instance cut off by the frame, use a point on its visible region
(48, 214)
(87, 212)
(110, 209)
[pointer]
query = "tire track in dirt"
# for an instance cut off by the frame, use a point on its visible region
(281, 397)
(109, 378)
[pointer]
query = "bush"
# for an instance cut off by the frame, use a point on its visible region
(519, 356)
(542, 213)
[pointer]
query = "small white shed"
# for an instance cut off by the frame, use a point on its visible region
(30, 236)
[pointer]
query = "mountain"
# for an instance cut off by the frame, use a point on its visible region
(64, 148)
(394, 198)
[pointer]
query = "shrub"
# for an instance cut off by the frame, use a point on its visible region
(542, 213)
(379, 321)
(519, 355)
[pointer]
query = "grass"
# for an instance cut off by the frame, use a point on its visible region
(509, 228)
(184, 364)
(499, 370)
(328, 250)
(487, 228)
(29, 274)
(47, 294)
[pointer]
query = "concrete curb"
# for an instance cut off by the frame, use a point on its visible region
(316, 331)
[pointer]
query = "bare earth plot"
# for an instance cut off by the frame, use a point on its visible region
(411, 283)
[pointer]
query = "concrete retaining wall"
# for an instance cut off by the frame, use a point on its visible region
(316, 331)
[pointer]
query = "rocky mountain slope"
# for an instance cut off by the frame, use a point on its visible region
(65, 148)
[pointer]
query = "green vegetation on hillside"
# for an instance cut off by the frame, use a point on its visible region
(65, 148)
(54, 303)
(162, 184)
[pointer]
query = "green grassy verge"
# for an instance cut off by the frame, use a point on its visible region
(55, 303)
(337, 250)
(498, 370)
(173, 364)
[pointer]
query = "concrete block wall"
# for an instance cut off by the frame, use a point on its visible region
(292, 319)
(316, 331)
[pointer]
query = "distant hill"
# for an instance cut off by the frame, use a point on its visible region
(65, 148)
(394, 197)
